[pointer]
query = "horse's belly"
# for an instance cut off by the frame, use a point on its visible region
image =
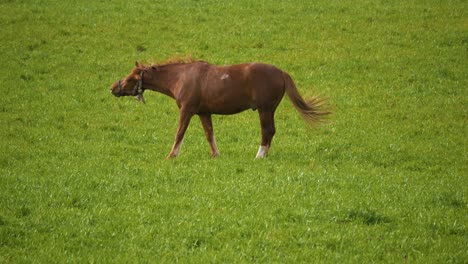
(225, 108)
(226, 103)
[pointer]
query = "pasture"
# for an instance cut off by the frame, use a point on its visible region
(83, 175)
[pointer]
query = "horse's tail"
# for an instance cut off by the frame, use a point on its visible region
(313, 111)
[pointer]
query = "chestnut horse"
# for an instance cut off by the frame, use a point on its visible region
(203, 89)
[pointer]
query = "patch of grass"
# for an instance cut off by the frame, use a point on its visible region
(83, 176)
(365, 216)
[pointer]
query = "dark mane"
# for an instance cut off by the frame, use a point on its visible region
(176, 60)
(173, 60)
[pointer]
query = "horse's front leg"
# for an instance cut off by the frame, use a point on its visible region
(184, 120)
(208, 127)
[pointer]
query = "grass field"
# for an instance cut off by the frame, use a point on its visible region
(83, 176)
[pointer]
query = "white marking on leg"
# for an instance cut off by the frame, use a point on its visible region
(177, 149)
(225, 76)
(262, 152)
(215, 151)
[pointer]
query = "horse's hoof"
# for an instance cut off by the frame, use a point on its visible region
(262, 152)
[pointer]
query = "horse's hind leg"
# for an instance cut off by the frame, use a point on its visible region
(268, 131)
(184, 120)
(208, 127)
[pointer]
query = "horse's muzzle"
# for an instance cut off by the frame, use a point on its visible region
(116, 90)
(112, 91)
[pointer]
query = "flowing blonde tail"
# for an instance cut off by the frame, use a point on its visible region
(313, 111)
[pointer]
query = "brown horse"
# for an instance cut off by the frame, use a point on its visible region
(203, 89)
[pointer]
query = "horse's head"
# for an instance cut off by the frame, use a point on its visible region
(131, 85)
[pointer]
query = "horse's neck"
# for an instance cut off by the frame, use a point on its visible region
(165, 79)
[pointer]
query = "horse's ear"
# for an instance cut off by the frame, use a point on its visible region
(137, 64)
(154, 67)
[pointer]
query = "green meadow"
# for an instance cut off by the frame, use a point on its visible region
(83, 175)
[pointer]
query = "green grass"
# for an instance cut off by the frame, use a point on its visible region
(83, 176)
